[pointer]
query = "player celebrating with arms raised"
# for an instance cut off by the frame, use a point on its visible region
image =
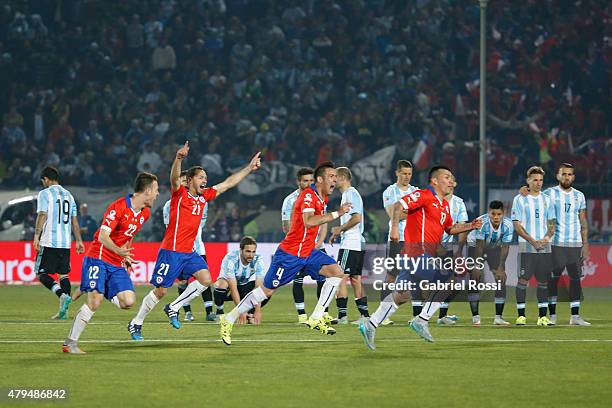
(104, 271)
(297, 251)
(176, 256)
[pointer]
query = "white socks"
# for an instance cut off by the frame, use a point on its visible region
(429, 309)
(80, 322)
(327, 295)
(115, 301)
(148, 303)
(193, 290)
(385, 310)
(252, 299)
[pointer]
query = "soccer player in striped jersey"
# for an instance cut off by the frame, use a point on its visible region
(453, 247)
(297, 251)
(241, 271)
(570, 245)
(176, 257)
(391, 195)
(104, 273)
(57, 217)
(428, 216)
(201, 250)
(352, 247)
(492, 242)
(534, 222)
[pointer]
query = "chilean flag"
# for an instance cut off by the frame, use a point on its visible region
(422, 154)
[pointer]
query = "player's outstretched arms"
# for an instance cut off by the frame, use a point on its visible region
(465, 227)
(311, 220)
(175, 172)
(236, 178)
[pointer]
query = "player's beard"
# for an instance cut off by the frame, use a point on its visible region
(566, 185)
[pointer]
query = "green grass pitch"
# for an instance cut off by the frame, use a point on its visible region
(280, 364)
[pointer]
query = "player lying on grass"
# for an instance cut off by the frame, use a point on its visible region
(104, 273)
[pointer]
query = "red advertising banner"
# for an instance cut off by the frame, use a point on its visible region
(17, 261)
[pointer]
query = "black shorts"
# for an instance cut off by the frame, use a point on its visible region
(351, 261)
(538, 265)
(492, 256)
(53, 260)
(243, 290)
(393, 249)
(563, 256)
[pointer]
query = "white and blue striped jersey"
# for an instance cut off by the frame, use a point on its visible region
(392, 195)
(198, 245)
(533, 213)
(458, 214)
(353, 238)
(60, 207)
(287, 207)
(233, 268)
(492, 237)
(567, 207)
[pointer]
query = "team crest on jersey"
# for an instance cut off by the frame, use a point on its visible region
(111, 215)
(308, 197)
(202, 200)
(141, 220)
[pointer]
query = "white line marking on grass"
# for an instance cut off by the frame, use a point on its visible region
(109, 341)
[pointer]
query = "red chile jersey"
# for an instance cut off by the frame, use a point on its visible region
(186, 212)
(300, 241)
(122, 222)
(427, 219)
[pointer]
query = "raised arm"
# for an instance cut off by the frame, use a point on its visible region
(234, 179)
(311, 220)
(175, 172)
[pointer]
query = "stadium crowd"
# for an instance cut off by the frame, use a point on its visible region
(302, 81)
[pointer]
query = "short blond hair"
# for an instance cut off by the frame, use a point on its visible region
(344, 172)
(535, 170)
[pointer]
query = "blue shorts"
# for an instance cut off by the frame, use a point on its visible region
(423, 267)
(172, 265)
(102, 277)
(285, 267)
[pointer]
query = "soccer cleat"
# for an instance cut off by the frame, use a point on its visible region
(302, 318)
(135, 331)
(320, 325)
(71, 348)
(476, 320)
(211, 317)
(544, 321)
(446, 321)
(368, 332)
(387, 322)
(226, 330)
(55, 316)
(498, 321)
(343, 320)
(328, 319)
(172, 317)
(553, 319)
(421, 327)
(65, 301)
(578, 321)
(454, 318)
(521, 321)
(359, 321)
(189, 317)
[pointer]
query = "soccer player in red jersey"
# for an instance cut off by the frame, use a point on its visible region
(427, 218)
(297, 252)
(177, 257)
(104, 273)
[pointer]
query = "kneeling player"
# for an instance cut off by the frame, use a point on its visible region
(241, 272)
(104, 273)
(491, 241)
